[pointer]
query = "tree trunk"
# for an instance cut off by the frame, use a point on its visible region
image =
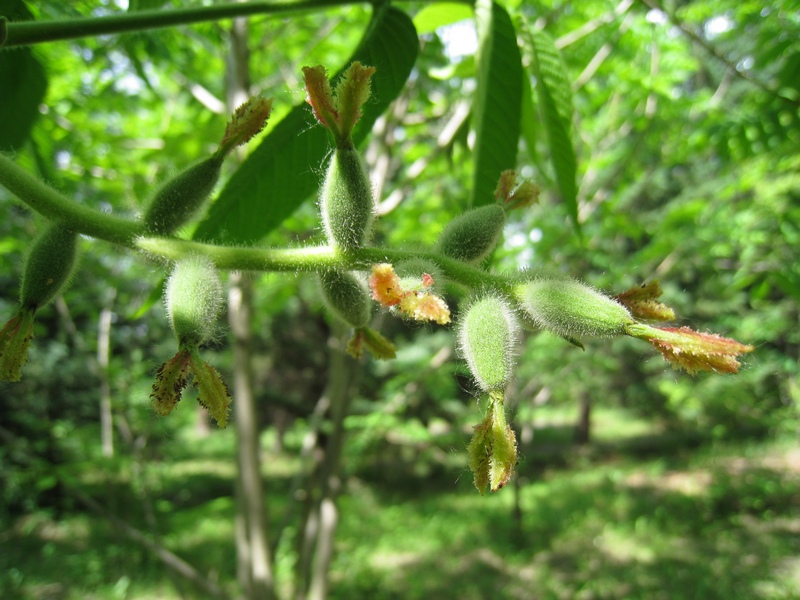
(315, 550)
(254, 560)
(103, 354)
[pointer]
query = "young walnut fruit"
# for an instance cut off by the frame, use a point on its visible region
(49, 265)
(473, 235)
(572, 309)
(193, 297)
(179, 198)
(346, 296)
(486, 336)
(346, 200)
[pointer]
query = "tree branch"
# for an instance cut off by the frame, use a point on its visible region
(36, 32)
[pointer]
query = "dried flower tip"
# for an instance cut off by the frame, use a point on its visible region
(247, 121)
(172, 377)
(15, 339)
(170, 383)
(493, 449)
(505, 184)
(641, 301)
(352, 91)
(692, 350)
(339, 110)
(320, 97)
(511, 195)
(213, 393)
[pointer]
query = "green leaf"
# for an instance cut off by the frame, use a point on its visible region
(528, 125)
(550, 67)
(281, 173)
(23, 82)
(498, 100)
(555, 102)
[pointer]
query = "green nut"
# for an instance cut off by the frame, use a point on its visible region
(346, 200)
(572, 309)
(49, 266)
(346, 296)
(486, 336)
(193, 297)
(472, 236)
(179, 199)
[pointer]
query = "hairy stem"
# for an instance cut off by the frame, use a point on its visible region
(315, 258)
(51, 204)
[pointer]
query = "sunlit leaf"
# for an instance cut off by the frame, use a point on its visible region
(555, 102)
(498, 100)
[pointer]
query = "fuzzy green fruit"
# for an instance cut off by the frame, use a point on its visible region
(572, 309)
(179, 199)
(49, 265)
(346, 200)
(346, 296)
(193, 297)
(486, 336)
(472, 236)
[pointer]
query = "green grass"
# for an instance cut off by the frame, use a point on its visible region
(719, 523)
(709, 520)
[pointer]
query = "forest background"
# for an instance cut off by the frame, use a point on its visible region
(634, 480)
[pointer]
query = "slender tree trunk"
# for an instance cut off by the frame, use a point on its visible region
(255, 562)
(103, 355)
(318, 532)
(100, 367)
